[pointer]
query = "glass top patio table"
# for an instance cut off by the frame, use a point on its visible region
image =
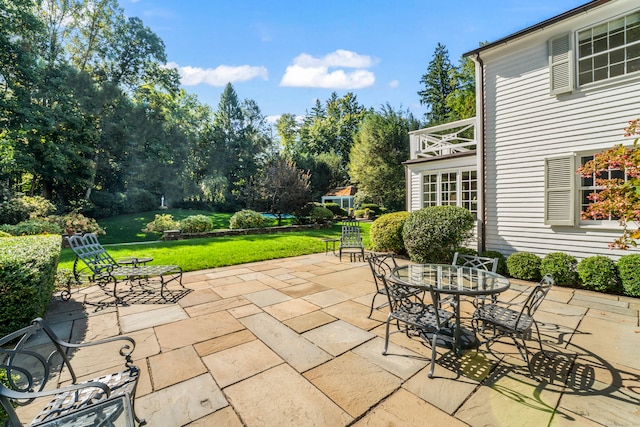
(456, 281)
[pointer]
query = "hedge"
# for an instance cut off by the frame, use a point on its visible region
(27, 278)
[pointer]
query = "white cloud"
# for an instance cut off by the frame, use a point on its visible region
(309, 71)
(219, 76)
(394, 84)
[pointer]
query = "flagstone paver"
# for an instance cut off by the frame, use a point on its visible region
(289, 342)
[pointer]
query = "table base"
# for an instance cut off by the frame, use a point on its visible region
(445, 338)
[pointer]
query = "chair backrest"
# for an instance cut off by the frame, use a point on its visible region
(350, 236)
(30, 357)
(533, 301)
(485, 263)
(90, 251)
(381, 265)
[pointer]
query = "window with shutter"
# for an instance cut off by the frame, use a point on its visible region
(560, 64)
(559, 201)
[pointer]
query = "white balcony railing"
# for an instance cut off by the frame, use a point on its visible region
(449, 138)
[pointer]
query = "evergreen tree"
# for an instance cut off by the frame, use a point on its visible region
(437, 87)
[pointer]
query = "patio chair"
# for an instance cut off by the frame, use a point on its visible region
(415, 318)
(382, 265)
(514, 320)
(351, 241)
(103, 269)
(475, 261)
(33, 359)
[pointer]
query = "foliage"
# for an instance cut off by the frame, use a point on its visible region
(38, 206)
(437, 87)
(13, 211)
(196, 224)
(502, 261)
(140, 200)
(335, 209)
(31, 227)
(280, 189)
(361, 198)
(466, 251)
(598, 273)
(76, 223)
(27, 279)
(161, 222)
(320, 214)
(431, 234)
(461, 101)
(371, 207)
(375, 163)
(4, 234)
(246, 219)
(386, 233)
(561, 266)
(629, 273)
(524, 266)
(359, 213)
(618, 198)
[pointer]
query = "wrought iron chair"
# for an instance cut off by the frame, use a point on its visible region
(382, 265)
(475, 261)
(103, 269)
(514, 320)
(415, 318)
(32, 355)
(351, 240)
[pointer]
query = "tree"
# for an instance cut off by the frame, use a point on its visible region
(381, 145)
(461, 101)
(280, 189)
(437, 87)
(619, 198)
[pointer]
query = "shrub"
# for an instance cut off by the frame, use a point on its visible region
(361, 198)
(4, 234)
(106, 204)
(27, 279)
(320, 215)
(431, 234)
(561, 266)
(246, 219)
(629, 273)
(598, 273)
(161, 223)
(336, 209)
(76, 223)
(465, 250)
(372, 207)
(524, 265)
(13, 211)
(31, 227)
(38, 206)
(196, 224)
(359, 213)
(139, 200)
(502, 262)
(386, 233)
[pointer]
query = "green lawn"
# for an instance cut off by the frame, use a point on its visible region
(198, 254)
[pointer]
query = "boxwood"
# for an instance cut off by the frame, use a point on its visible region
(27, 278)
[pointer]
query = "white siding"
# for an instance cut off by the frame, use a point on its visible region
(525, 125)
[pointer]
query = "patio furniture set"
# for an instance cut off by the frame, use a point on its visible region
(438, 323)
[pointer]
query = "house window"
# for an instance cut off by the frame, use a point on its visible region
(588, 185)
(609, 49)
(451, 188)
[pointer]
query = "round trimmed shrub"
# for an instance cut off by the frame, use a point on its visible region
(196, 224)
(372, 207)
(524, 266)
(431, 234)
(629, 273)
(561, 266)
(335, 209)
(502, 261)
(359, 213)
(246, 218)
(320, 214)
(161, 222)
(598, 273)
(386, 233)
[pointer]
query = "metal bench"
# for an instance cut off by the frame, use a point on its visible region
(34, 359)
(104, 270)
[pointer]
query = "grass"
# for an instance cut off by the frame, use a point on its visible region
(199, 254)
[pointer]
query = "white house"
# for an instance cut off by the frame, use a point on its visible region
(548, 98)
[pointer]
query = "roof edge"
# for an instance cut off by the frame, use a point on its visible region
(550, 21)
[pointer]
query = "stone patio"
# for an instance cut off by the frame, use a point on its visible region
(288, 342)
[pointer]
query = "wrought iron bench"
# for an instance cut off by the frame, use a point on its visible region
(103, 269)
(34, 358)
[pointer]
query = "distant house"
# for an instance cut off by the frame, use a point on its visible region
(343, 196)
(548, 98)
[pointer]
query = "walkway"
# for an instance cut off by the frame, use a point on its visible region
(288, 343)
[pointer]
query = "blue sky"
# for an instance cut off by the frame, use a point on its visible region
(286, 54)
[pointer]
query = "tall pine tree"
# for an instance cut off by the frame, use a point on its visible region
(437, 87)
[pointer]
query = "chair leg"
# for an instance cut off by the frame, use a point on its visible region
(373, 303)
(433, 355)
(386, 336)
